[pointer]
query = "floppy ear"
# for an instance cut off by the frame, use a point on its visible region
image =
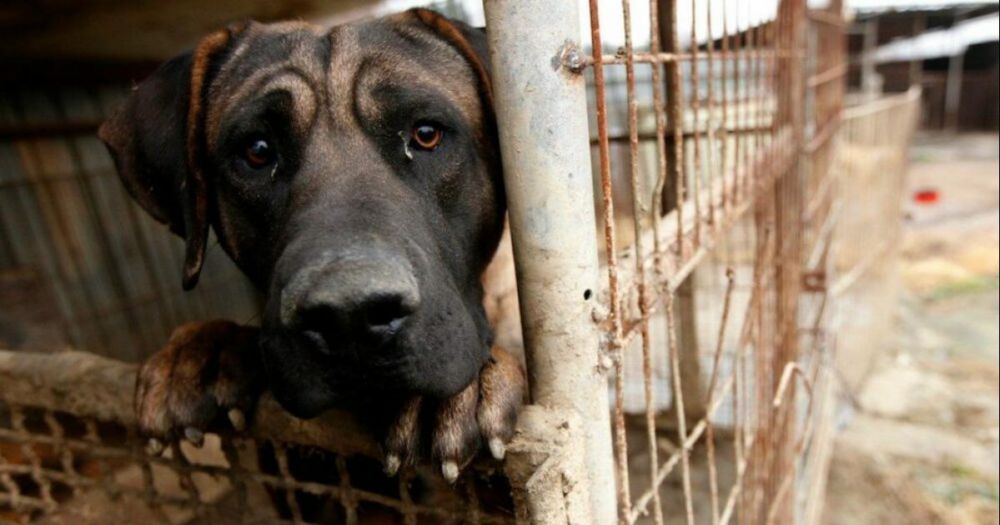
(157, 141)
(471, 44)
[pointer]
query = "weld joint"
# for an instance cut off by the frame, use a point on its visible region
(571, 58)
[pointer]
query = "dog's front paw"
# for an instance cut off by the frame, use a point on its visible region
(456, 428)
(207, 373)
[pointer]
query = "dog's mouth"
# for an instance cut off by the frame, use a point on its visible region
(313, 370)
(308, 375)
(368, 320)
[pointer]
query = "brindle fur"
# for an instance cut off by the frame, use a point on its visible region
(423, 226)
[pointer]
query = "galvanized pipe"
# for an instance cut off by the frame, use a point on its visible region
(541, 109)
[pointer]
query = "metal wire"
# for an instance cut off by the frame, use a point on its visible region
(59, 450)
(732, 141)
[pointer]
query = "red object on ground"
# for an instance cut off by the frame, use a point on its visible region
(928, 196)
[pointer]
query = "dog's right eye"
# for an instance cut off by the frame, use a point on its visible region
(259, 153)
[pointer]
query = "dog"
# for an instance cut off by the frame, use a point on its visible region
(353, 175)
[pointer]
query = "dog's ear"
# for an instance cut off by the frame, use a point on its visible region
(470, 43)
(157, 141)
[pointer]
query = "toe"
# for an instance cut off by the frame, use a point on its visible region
(237, 418)
(151, 395)
(207, 373)
(402, 437)
(455, 438)
(154, 447)
(195, 436)
(502, 387)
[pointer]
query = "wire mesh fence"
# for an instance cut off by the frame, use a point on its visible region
(719, 170)
(708, 314)
(871, 154)
(69, 454)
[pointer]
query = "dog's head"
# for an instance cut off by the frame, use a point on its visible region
(352, 173)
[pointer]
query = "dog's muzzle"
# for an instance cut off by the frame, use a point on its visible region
(359, 299)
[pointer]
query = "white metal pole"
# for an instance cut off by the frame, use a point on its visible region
(541, 108)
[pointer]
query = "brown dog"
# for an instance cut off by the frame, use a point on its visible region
(353, 174)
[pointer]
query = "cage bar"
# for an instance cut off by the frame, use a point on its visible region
(541, 112)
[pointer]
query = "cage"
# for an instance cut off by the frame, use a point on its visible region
(685, 250)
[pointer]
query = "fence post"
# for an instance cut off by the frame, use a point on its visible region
(541, 107)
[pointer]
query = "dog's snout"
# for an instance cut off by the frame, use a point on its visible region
(379, 315)
(351, 299)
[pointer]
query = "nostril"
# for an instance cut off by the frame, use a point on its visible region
(384, 315)
(317, 326)
(317, 341)
(318, 319)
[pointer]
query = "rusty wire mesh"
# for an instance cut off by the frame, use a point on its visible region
(69, 454)
(871, 154)
(715, 315)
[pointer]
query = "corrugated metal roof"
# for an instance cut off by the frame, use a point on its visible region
(943, 42)
(875, 6)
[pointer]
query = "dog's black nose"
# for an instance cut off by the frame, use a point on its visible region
(376, 317)
(352, 302)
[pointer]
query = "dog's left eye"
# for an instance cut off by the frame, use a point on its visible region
(426, 136)
(259, 153)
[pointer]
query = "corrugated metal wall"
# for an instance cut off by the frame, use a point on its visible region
(83, 263)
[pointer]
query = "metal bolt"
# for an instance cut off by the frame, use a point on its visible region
(571, 58)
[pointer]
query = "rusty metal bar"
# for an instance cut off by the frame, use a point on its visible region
(724, 147)
(695, 107)
(711, 129)
(616, 348)
(671, 38)
(669, 57)
(657, 197)
(835, 73)
(640, 275)
(827, 17)
(688, 133)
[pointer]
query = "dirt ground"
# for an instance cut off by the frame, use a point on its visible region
(919, 436)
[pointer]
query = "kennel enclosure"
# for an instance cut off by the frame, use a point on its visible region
(683, 240)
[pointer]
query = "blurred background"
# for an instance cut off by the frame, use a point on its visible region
(81, 266)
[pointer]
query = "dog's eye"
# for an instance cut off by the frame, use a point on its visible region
(426, 136)
(259, 153)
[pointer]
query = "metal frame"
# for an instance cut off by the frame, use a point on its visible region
(772, 110)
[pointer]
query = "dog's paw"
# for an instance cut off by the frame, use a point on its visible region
(455, 429)
(207, 377)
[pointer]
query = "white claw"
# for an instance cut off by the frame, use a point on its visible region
(449, 469)
(497, 448)
(154, 447)
(237, 419)
(392, 464)
(195, 436)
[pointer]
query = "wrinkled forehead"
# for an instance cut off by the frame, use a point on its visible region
(336, 73)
